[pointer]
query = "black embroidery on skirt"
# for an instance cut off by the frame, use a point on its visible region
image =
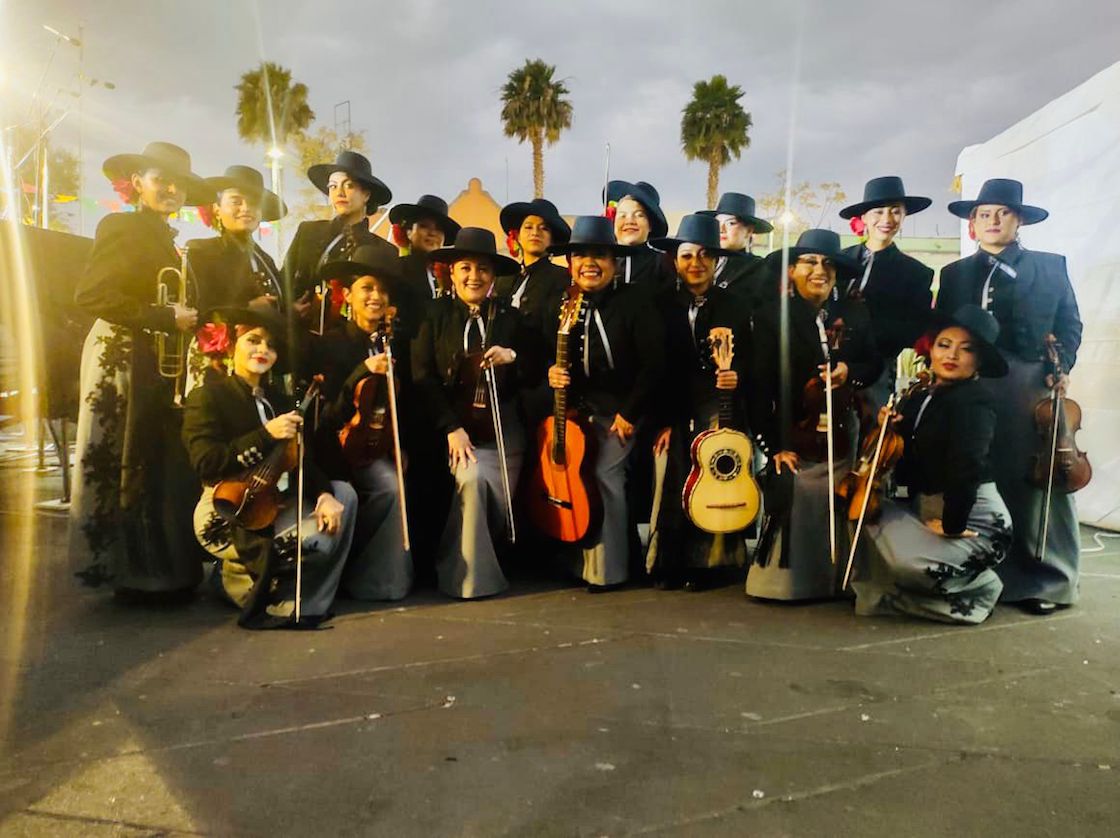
(217, 533)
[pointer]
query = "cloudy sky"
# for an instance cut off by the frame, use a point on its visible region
(883, 87)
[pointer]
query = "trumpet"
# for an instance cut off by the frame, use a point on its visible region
(171, 350)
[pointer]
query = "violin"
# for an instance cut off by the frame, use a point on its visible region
(1058, 464)
(251, 499)
(369, 434)
(880, 451)
(810, 433)
(472, 397)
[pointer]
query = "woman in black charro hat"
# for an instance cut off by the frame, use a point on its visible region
(133, 488)
(354, 194)
(532, 227)
(936, 554)
(635, 211)
(618, 363)
(232, 269)
(232, 423)
(679, 553)
(793, 560)
(461, 330)
(895, 287)
(1030, 295)
(420, 229)
(740, 271)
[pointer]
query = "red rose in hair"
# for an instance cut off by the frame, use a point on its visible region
(213, 339)
(397, 236)
(512, 244)
(123, 187)
(442, 272)
(858, 227)
(337, 298)
(611, 211)
(206, 215)
(923, 345)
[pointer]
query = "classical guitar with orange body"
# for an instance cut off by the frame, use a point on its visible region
(562, 502)
(720, 494)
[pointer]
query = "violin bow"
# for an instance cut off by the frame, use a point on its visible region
(1055, 412)
(867, 494)
(499, 437)
(299, 522)
(828, 440)
(389, 378)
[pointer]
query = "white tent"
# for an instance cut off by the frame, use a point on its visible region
(1067, 154)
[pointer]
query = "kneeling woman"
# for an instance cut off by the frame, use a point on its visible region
(233, 423)
(933, 555)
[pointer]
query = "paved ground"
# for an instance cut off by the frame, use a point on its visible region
(551, 712)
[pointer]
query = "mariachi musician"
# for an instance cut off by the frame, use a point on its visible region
(1030, 295)
(354, 194)
(133, 487)
(471, 355)
(680, 554)
(635, 209)
(420, 229)
(380, 566)
(932, 555)
(232, 269)
(895, 287)
(740, 271)
(234, 423)
(532, 227)
(613, 383)
(796, 421)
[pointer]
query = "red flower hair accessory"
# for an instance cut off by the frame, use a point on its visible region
(513, 244)
(858, 227)
(397, 236)
(123, 187)
(611, 211)
(213, 339)
(206, 215)
(923, 345)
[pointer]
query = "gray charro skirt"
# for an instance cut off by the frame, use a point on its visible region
(905, 568)
(1015, 443)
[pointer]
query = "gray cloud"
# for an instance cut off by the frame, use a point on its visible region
(883, 88)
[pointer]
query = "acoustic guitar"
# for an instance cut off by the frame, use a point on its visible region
(720, 494)
(563, 503)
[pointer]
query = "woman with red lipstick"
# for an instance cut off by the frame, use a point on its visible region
(129, 517)
(1031, 297)
(934, 555)
(231, 424)
(895, 287)
(354, 194)
(794, 559)
(535, 226)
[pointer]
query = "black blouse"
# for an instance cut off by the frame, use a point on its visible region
(948, 450)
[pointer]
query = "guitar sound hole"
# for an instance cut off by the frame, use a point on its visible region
(725, 464)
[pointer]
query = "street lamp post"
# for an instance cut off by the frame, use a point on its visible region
(275, 156)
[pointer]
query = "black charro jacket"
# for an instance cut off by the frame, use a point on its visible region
(898, 296)
(1038, 301)
(228, 274)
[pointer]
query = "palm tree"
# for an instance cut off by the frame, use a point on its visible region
(270, 109)
(714, 127)
(534, 109)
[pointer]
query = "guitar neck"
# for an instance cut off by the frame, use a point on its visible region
(726, 408)
(560, 402)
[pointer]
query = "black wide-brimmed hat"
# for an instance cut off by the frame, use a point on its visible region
(1002, 192)
(514, 215)
(476, 241)
(882, 191)
(983, 328)
(248, 180)
(253, 318)
(426, 206)
(742, 207)
(592, 232)
(359, 169)
(366, 260)
(169, 159)
(824, 243)
(645, 195)
(694, 229)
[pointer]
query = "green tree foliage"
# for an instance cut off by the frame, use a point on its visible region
(715, 128)
(534, 109)
(270, 107)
